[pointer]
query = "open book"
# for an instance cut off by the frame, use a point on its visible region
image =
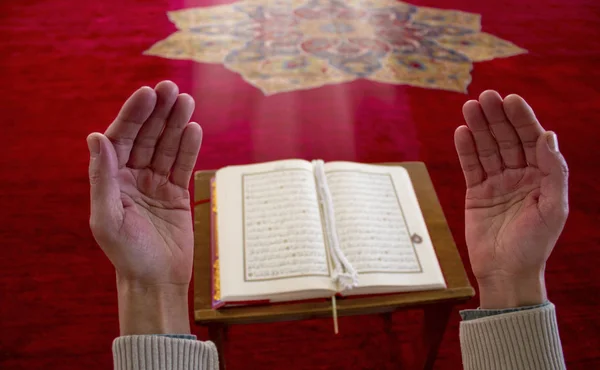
(297, 230)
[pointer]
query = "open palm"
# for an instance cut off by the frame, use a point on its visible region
(140, 169)
(516, 200)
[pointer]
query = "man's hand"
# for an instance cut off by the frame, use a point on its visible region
(139, 172)
(516, 202)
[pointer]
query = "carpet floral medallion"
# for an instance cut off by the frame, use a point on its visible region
(287, 45)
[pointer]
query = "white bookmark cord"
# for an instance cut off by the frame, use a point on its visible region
(343, 272)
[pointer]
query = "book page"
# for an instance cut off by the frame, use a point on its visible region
(271, 240)
(371, 226)
(378, 221)
(283, 235)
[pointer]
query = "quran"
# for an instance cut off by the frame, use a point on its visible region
(294, 230)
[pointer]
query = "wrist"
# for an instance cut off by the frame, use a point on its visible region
(152, 309)
(500, 292)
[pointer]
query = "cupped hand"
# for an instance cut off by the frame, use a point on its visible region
(516, 201)
(139, 173)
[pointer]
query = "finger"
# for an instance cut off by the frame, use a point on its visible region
(191, 140)
(145, 142)
(521, 116)
(168, 143)
(105, 194)
(467, 154)
(511, 149)
(124, 129)
(553, 200)
(487, 148)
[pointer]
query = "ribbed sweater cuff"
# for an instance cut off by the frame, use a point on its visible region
(149, 352)
(517, 340)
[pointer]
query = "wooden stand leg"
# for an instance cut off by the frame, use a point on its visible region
(388, 322)
(217, 333)
(394, 345)
(435, 320)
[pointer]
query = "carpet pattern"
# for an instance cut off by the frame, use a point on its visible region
(66, 68)
(285, 45)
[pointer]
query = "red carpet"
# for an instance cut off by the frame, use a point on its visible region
(67, 66)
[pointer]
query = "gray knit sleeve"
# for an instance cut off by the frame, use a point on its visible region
(480, 313)
(150, 352)
(526, 339)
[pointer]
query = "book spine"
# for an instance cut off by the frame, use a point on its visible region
(215, 271)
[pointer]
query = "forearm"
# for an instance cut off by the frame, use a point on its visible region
(500, 292)
(503, 295)
(515, 327)
(147, 309)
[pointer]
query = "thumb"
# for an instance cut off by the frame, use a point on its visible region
(553, 202)
(105, 192)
